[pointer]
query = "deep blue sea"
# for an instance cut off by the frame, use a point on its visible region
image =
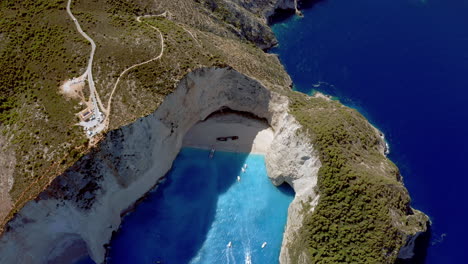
(200, 208)
(404, 65)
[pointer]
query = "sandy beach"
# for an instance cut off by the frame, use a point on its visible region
(254, 136)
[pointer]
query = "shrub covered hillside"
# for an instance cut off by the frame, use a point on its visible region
(364, 213)
(40, 48)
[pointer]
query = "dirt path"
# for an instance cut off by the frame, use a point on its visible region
(109, 102)
(89, 70)
(191, 34)
(88, 74)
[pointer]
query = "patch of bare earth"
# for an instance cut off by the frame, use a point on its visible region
(73, 89)
(7, 167)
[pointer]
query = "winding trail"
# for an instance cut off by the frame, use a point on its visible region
(89, 70)
(96, 100)
(190, 33)
(109, 102)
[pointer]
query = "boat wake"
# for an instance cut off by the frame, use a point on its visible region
(248, 258)
(230, 256)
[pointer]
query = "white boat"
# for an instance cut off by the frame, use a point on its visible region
(264, 244)
(212, 153)
(229, 244)
(243, 170)
(238, 178)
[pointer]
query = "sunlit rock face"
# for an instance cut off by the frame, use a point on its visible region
(79, 211)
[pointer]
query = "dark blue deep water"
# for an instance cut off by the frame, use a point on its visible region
(404, 65)
(201, 206)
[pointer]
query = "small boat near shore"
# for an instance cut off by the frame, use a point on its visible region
(264, 244)
(244, 168)
(226, 138)
(212, 152)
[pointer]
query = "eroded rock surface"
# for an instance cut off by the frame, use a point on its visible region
(293, 160)
(85, 203)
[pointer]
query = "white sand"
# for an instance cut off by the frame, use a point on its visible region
(254, 135)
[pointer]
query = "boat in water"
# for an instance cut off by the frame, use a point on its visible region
(212, 152)
(264, 244)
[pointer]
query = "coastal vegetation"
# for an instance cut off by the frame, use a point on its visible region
(363, 208)
(364, 213)
(40, 48)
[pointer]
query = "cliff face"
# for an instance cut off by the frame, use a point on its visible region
(250, 18)
(293, 160)
(83, 205)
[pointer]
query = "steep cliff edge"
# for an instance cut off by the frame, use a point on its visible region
(293, 160)
(350, 204)
(84, 204)
(250, 18)
(363, 214)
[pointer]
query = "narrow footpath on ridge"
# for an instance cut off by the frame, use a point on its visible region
(109, 102)
(97, 105)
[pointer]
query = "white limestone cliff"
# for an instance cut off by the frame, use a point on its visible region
(292, 159)
(79, 211)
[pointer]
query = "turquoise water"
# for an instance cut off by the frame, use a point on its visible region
(201, 207)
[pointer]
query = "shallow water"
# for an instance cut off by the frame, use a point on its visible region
(201, 207)
(404, 65)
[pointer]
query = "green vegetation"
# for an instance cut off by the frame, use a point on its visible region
(363, 209)
(40, 48)
(362, 204)
(240, 20)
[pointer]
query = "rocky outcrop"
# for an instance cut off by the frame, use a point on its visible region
(249, 19)
(293, 160)
(84, 205)
(267, 8)
(417, 238)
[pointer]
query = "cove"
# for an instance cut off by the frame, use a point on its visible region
(404, 65)
(200, 207)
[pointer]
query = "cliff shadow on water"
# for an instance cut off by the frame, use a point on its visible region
(421, 246)
(281, 15)
(84, 205)
(173, 222)
(178, 213)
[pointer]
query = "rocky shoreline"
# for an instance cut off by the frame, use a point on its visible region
(84, 205)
